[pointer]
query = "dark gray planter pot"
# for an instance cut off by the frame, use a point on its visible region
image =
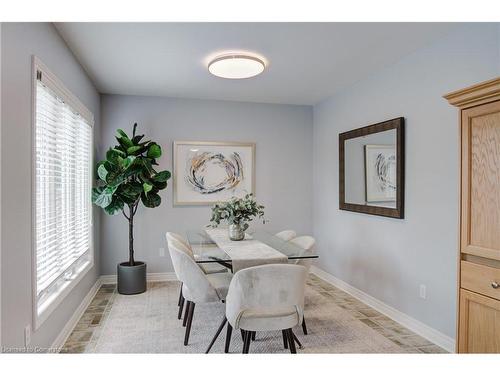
(131, 279)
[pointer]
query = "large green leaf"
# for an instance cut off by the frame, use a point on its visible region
(134, 150)
(110, 167)
(105, 197)
(147, 188)
(131, 189)
(122, 153)
(127, 162)
(147, 169)
(114, 156)
(114, 207)
(102, 172)
(133, 170)
(125, 142)
(151, 200)
(159, 185)
(102, 162)
(154, 151)
(96, 192)
(162, 176)
(121, 133)
(121, 149)
(115, 177)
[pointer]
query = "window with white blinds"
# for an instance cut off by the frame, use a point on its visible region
(63, 181)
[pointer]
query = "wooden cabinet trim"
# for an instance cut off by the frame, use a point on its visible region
(481, 93)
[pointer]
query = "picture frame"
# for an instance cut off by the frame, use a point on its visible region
(206, 172)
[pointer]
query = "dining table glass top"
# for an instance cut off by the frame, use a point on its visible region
(205, 250)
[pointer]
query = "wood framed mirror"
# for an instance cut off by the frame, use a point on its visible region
(371, 169)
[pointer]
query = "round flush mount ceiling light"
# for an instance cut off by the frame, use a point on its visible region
(236, 66)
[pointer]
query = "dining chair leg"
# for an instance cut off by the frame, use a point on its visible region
(295, 338)
(242, 335)
(189, 322)
(291, 341)
(285, 339)
(181, 306)
(224, 321)
(304, 327)
(180, 296)
(253, 336)
(228, 337)
(186, 313)
(247, 341)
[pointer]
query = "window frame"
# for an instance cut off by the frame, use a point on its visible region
(60, 89)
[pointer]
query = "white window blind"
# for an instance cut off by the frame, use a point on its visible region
(63, 179)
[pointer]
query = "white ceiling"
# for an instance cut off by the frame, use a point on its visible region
(307, 62)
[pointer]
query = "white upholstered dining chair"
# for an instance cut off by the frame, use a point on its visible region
(208, 268)
(264, 298)
(306, 243)
(286, 235)
(197, 287)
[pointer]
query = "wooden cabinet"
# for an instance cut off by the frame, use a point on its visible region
(479, 327)
(479, 254)
(480, 279)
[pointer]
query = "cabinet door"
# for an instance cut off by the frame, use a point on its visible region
(479, 330)
(480, 206)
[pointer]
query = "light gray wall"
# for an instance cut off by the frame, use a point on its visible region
(19, 42)
(389, 258)
(283, 137)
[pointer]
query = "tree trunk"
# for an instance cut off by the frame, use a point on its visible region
(131, 236)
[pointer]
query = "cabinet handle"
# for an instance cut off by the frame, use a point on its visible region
(495, 285)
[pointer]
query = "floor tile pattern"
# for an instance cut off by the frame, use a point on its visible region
(338, 323)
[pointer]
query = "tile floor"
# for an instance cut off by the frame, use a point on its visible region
(87, 332)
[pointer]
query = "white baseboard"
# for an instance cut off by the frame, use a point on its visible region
(70, 325)
(407, 321)
(160, 276)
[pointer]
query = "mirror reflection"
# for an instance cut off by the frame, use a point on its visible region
(370, 169)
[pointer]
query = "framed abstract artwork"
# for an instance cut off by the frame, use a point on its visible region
(380, 169)
(209, 172)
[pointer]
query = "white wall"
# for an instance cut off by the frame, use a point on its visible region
(19, 42)
(283, 137)
(390, 258)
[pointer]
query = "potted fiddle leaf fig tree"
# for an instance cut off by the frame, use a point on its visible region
(125, 179)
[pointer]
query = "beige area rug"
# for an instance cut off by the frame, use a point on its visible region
(147, 323)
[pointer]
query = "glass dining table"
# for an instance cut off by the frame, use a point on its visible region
(205, 249)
